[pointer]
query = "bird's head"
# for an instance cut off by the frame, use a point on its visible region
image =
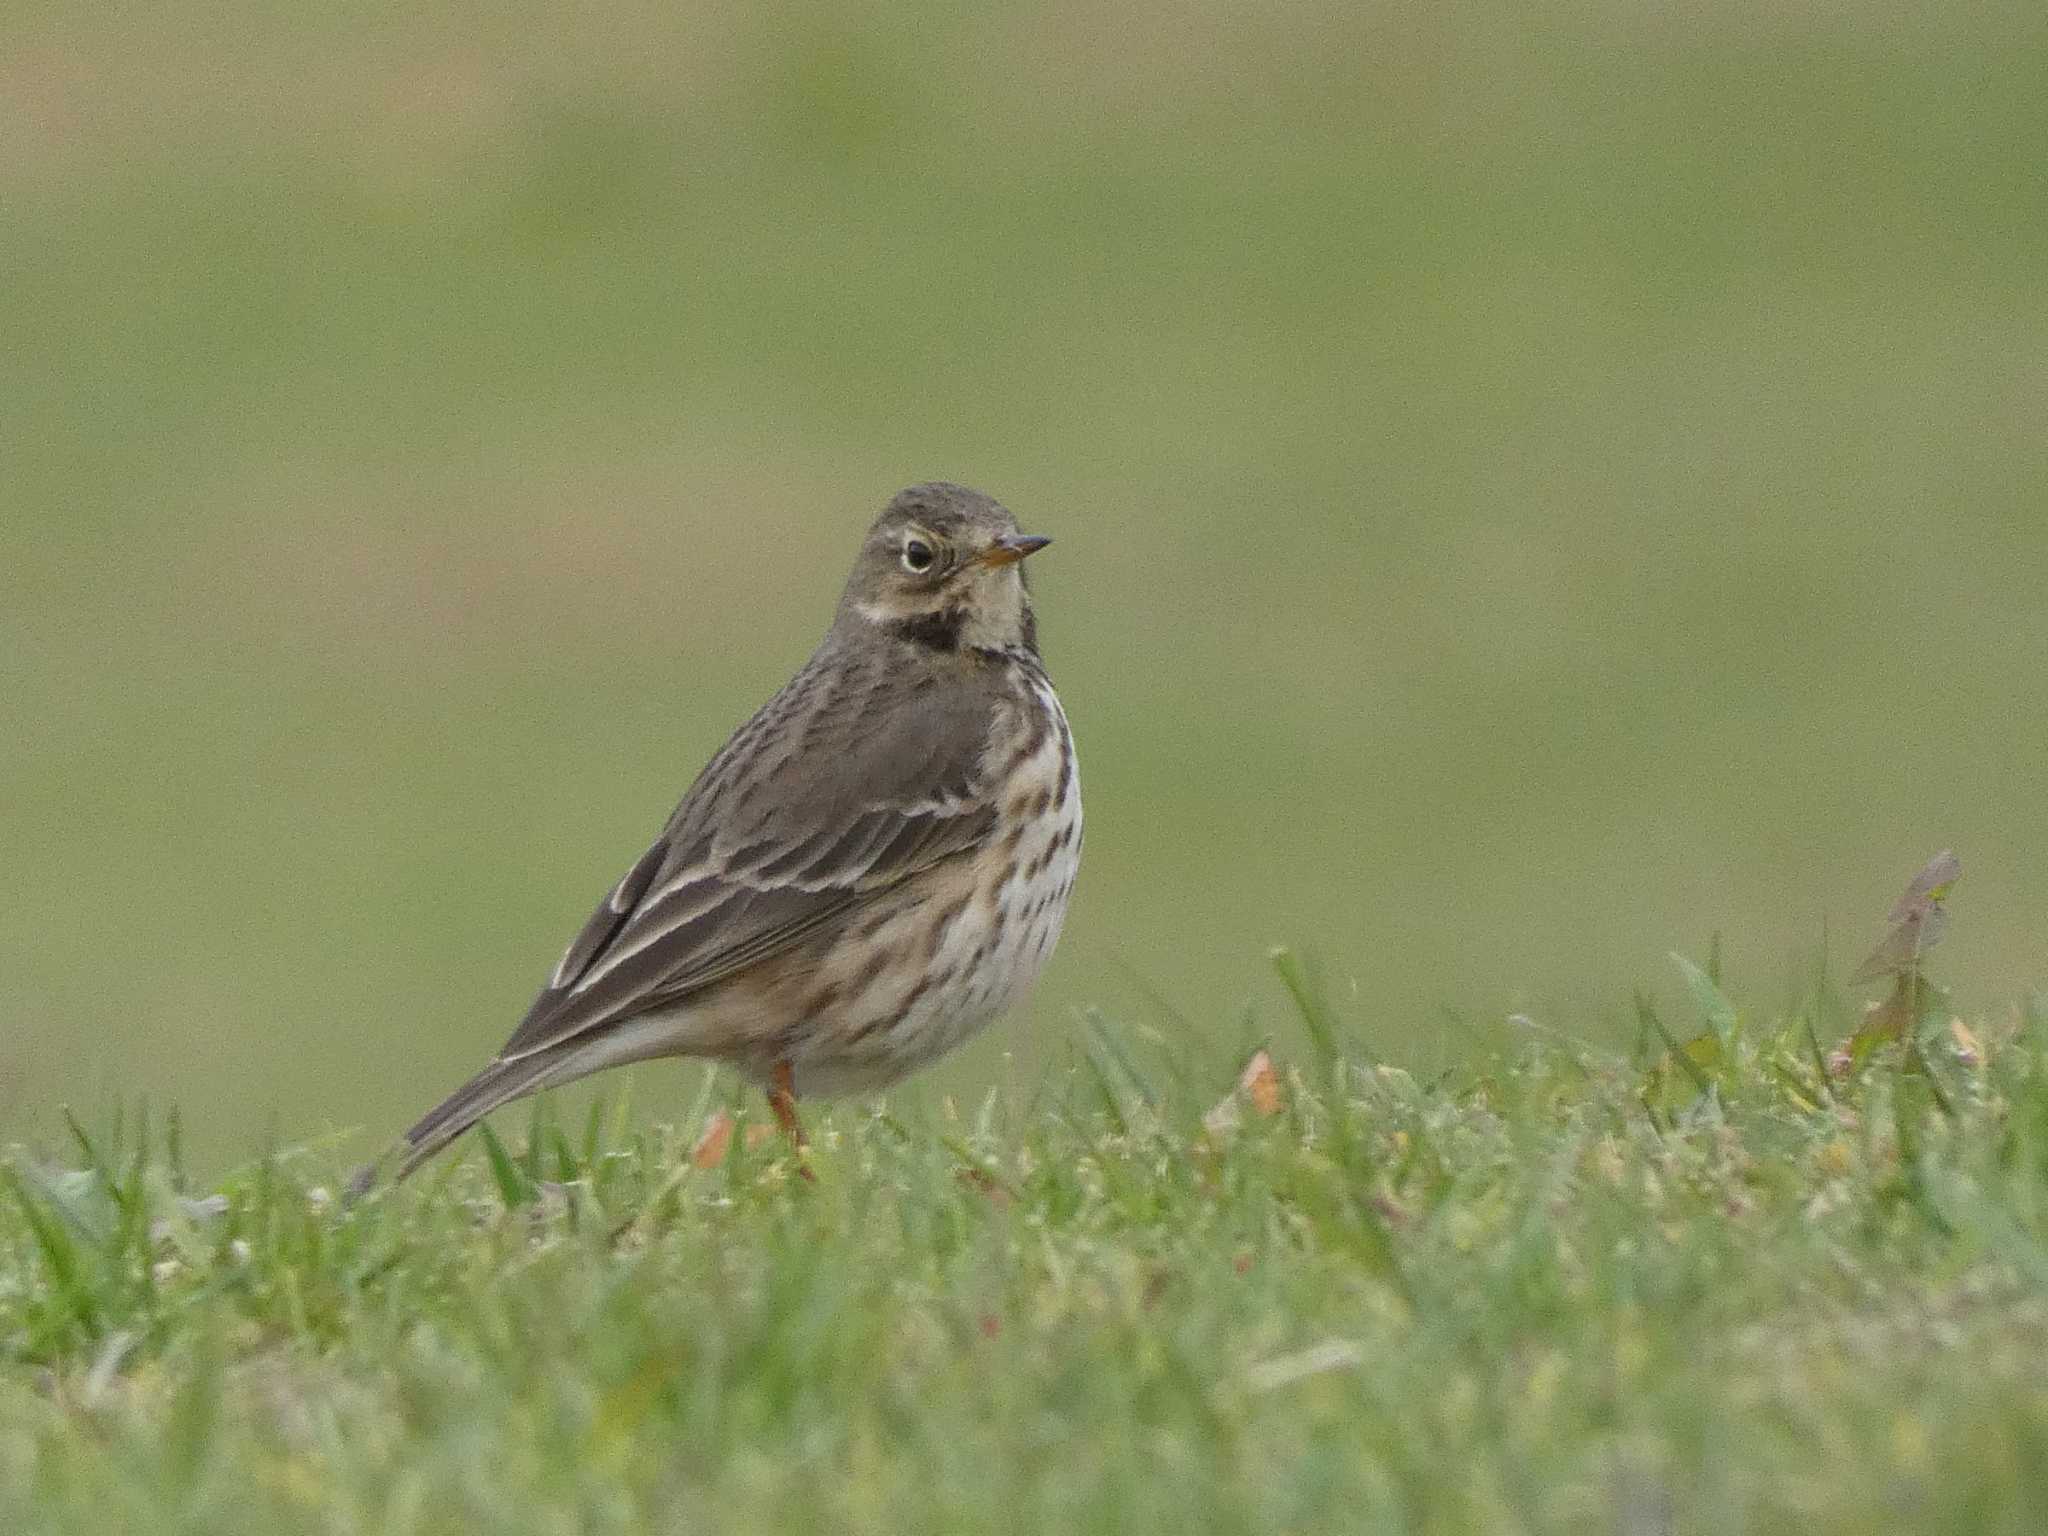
(942, 567)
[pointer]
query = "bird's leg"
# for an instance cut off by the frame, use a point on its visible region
(782, 1099)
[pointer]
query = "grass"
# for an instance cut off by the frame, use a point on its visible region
(1726, 1283)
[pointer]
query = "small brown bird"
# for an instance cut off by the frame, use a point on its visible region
(872, 869)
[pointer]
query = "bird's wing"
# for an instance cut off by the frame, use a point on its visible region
(843, 785)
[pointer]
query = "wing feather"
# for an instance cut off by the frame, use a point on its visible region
(810, 808)
(610, 916)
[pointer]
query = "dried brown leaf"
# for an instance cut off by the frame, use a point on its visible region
(1918, 921)
(714, 1141)
(1911, 937)
(1260, 1085)
(1888, 1020)
(1929, 888)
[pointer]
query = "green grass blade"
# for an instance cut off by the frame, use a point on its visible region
(514, 1188)
(1712, 1005)
(61, 1257)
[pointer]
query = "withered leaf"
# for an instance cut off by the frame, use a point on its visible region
(1918, 921)
(1929, 888)
(1261, 1085)
(714, 1141)
(1911, 937)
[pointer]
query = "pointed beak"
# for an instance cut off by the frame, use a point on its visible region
(1008, 551)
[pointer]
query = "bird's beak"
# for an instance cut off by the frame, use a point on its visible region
(1008, 551)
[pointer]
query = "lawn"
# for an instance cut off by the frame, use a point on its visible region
(1726, 1282)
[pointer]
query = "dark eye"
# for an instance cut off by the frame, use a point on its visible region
(918, 556)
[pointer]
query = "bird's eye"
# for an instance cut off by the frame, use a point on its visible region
(918, 556)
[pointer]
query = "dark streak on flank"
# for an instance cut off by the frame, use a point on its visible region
(821, 1000)
(890, 1020)
(869, 973)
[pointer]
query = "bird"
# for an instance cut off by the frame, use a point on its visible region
(874, 867)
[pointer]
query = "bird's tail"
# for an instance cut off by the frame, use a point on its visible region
(493, 1088)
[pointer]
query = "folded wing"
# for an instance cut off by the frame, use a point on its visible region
(805, 811)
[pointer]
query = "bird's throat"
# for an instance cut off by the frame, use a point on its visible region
(938, 630)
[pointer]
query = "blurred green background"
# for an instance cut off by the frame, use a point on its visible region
(1534, 485)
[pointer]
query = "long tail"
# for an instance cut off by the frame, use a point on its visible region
(493, 1088)
(515, 1077)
